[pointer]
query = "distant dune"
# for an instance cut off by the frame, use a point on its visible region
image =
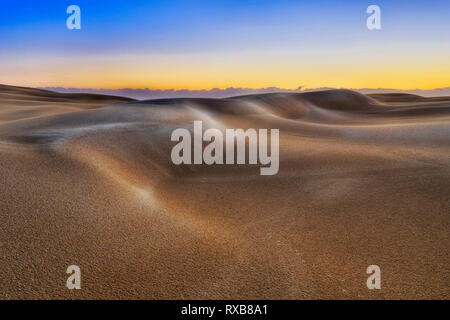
(143, 94)
(88, 180)
(21, 102)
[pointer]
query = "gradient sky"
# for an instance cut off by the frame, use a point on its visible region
(225, 43)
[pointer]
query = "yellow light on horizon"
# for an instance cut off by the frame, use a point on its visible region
(197, 71)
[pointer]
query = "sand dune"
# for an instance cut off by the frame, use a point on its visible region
(88, 180)
(19, 102)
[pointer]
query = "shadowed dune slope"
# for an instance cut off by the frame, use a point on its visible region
(406, 98)
(20, 102)
(362, 180)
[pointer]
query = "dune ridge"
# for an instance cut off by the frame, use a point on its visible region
(87, 180)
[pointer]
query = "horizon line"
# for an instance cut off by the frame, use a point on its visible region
(146, 93)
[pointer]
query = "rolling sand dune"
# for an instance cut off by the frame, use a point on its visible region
(19, 102)
(88, 180)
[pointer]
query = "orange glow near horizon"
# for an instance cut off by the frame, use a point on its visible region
(255, 70)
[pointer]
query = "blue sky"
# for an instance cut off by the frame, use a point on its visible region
(303, 33)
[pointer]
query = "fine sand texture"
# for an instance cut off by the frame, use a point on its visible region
(88, 180)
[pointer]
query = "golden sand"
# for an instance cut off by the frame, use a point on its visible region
(87, 180)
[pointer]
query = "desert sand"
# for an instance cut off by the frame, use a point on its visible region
(88, 180)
